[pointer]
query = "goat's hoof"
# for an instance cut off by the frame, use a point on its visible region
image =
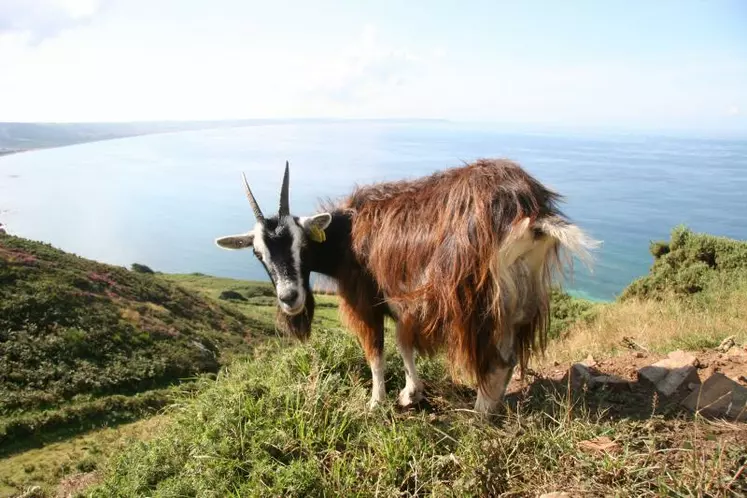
(375, 402)
(408, 397)
(485, 407)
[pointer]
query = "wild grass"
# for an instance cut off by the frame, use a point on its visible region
(68, 458)
(293, 422)
(694, 296)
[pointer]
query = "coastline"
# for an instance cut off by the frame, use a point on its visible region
(8, 152)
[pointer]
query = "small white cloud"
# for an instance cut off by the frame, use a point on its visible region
(365, 70)
(41, 19)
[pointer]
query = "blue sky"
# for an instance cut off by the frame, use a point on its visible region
(663, 65)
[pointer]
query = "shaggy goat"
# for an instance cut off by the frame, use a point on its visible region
(462, 259)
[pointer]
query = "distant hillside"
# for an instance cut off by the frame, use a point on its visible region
(17, 137)
(73, 331)
(26, 136)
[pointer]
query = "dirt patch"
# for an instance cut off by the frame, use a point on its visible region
(74, 484)
(732, 363)
(635, 399)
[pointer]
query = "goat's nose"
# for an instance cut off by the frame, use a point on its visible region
(289, 297)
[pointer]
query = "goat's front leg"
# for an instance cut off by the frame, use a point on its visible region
(413, 390)
(368, 324)
(491, 394)
(378, 369)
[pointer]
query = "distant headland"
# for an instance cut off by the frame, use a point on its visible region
(22, 137)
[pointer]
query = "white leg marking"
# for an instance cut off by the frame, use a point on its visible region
(488, 399)
(378, 392)
(413, 391)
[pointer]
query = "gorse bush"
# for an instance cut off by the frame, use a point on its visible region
(689, 264)
(137, 267)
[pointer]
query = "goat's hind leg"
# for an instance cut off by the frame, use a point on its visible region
(412, 393)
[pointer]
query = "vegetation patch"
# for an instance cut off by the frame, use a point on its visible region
(293, 422)
(691, 263)
(72, 328)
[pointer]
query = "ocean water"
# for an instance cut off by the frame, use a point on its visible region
(162, 199)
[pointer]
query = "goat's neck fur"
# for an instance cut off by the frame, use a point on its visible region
(334, 254)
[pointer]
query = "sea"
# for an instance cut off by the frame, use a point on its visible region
(162, 199)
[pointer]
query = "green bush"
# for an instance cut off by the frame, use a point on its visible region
(138, 268)
(566, 310)
(689, 264)
(231, 295)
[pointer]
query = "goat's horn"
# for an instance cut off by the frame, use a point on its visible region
(284, 207)
(255, 207)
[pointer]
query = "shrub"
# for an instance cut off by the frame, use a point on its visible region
(138, 268)
(231, 295)
(689, 264)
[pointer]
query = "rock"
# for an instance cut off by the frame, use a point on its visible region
(579, 375)
(680, 357)
(612, 382)
(231, 295)
(629, 343)
(589, 362)
(726, 344)
(719, 396)
(556, 494)
(671, 373)
(32, 492)
(736, 354)
(640, 354)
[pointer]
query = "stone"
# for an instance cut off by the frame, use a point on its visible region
(671, 373)
(556, 494)
(612, 382)
(589, 362)
(726, 344)
(719, 396)
(679, 357)
(579, 375)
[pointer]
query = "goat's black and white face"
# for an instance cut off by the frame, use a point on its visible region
(278, 243)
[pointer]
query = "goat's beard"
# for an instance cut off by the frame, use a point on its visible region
(298, 326)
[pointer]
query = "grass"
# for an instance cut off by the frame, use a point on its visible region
(58, 461)
(284, 419)
(694, 296)
(293, 422)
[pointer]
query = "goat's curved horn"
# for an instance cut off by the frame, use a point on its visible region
(255, 207)
(284, 205)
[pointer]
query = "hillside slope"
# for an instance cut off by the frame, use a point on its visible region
(73, 330)
(293, 421)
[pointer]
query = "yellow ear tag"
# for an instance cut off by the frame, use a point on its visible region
(317, 234)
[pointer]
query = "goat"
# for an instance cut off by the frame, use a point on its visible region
(461, 260)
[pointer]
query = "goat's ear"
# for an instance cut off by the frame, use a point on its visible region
(235, 241)
(317, 222)
(314, 226)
